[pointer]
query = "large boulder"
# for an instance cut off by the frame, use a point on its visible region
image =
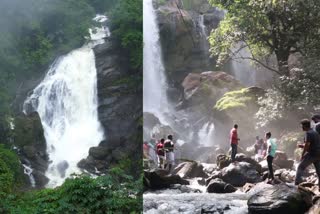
(285, 175)
(238, 174)
(243, 158)
(190, 170)
(280, 199)
(282, 160)
(206, 88)
(219, 186)
(159, 179)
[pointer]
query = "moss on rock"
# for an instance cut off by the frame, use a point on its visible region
(235, 99)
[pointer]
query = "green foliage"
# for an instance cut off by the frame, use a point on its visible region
(281, 27)
(288, 142)
(292, 96)
(126, 21)
(11, 173)
(112, 193)
(33, 38)
(102, 6)
(272, 108)
(234, 99)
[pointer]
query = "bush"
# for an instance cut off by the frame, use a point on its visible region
(288, 142)
(112, 193)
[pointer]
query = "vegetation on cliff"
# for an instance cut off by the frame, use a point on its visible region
(30, 42)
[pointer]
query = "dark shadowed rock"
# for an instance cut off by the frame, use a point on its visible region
(219, 186)
(214, 175)
(280, 199)
(158, 179)
(223, 161)
(99, 152)
(239, 174)
(282, 160)
(29, 138)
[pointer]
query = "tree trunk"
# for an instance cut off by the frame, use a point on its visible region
(282, 58)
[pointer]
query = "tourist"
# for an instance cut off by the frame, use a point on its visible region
(152, 150)
(169, 154)
(160, 153)
(271, 152)
(311, 151)
(234, 142)
(316, 120)
(259, 148)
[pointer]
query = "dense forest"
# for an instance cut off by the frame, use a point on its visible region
(33, 34)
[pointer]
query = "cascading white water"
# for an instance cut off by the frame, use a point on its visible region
(28, 171)
(154, 80)
(206, 134)
(202, 26)
(66, 101)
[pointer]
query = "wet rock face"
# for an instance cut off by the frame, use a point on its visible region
(29, 138)
(184, 44)
(280, 199)
(158, 179)
(118, 88)
(119, 110)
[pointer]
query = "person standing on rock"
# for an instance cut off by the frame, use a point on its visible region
(271, 152)
(316, 120)
(311, 151)
(160, 153)
(234, 142)
(169, 154)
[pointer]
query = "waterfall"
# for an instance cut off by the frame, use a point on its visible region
(28, 171)
(154, 80)
(206, 134)
(242, 69)
(202, 25)
(66, 101)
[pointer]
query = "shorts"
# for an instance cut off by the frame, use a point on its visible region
(169, 156)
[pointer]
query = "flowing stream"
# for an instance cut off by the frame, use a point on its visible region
(66, 101)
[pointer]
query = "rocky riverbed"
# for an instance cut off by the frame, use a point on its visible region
(224, 187)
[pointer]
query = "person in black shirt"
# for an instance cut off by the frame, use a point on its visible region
(311, 151)
(316, 120)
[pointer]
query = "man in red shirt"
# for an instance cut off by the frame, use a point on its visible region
(234, 142)
(160, 153)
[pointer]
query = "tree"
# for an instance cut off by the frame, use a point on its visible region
(126, 26)
(280, 27)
